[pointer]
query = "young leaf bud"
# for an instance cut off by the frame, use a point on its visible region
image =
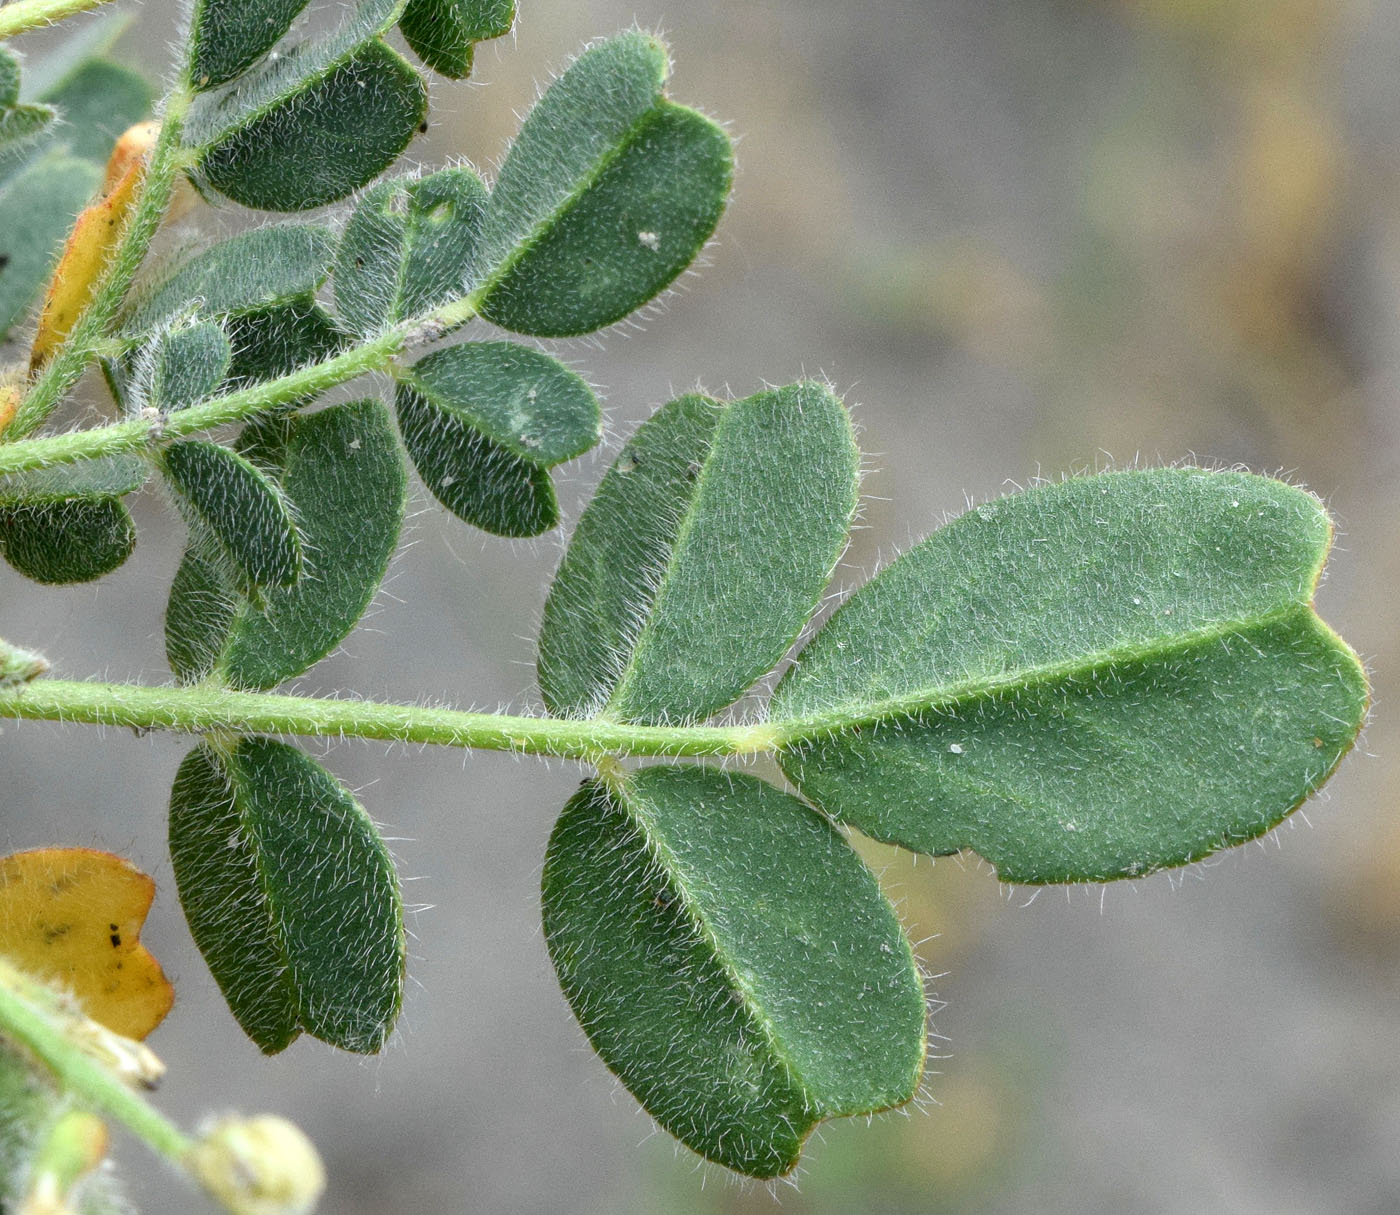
(259, 1166)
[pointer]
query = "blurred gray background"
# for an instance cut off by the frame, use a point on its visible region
(1022, 238)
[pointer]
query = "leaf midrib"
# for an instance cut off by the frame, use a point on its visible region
(243, 116)
(637, 642)
(955, 696)
(663, 856)
(234, 774)
(526, 244)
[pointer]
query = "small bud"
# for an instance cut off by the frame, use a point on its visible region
(74, 1146)
(259, 1166)
(19, 666)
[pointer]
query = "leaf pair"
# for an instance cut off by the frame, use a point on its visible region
(727, 953)
(308, 125)
(321, 118)
(1082, 682)
(228, 36)
(606, 195)
(290, 894)
(292, 538)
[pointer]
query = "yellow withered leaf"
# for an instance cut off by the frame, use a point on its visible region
(91, 242)
(9, 404)
(72, 917)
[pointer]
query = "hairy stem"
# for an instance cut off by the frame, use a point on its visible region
(378, 354)
(24, 15)
(207, 707)
(72, 358)
(26, 1021)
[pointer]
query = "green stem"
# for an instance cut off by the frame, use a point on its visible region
(207, 707)
(25, 15)
(378, 354)
(25, 1022)
(157, 183)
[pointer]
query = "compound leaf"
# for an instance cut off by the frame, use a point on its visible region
(313, 124)
(341, 472)
(1085, 681)
(442, 33)
(485, 421)
(290, 895)
(409, 246)
(607, 194)
(702, 555)
(241, 508)
(229, 36)
(732, 960)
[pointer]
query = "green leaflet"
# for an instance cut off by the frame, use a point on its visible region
(72, 540)
(485, 421)
(341, 472)
(98, 100)
(262, 284)
(249, 272)
(37, 208)
(279, 339)
(228, 36)
(241, 508)
(315, 123)
(110, 476)
(1085, 681)
(700, 558)
(409, 246)
(67, 524)
(20, 126)
(290, 894)
(607, 194)
(9, 78)
(187, 364)
(732, 960)
(443, 32)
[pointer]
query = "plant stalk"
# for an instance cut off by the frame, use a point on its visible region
(68, 364)
(207, 707)
(24, 1022)
(135, 434)
(25, 15)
